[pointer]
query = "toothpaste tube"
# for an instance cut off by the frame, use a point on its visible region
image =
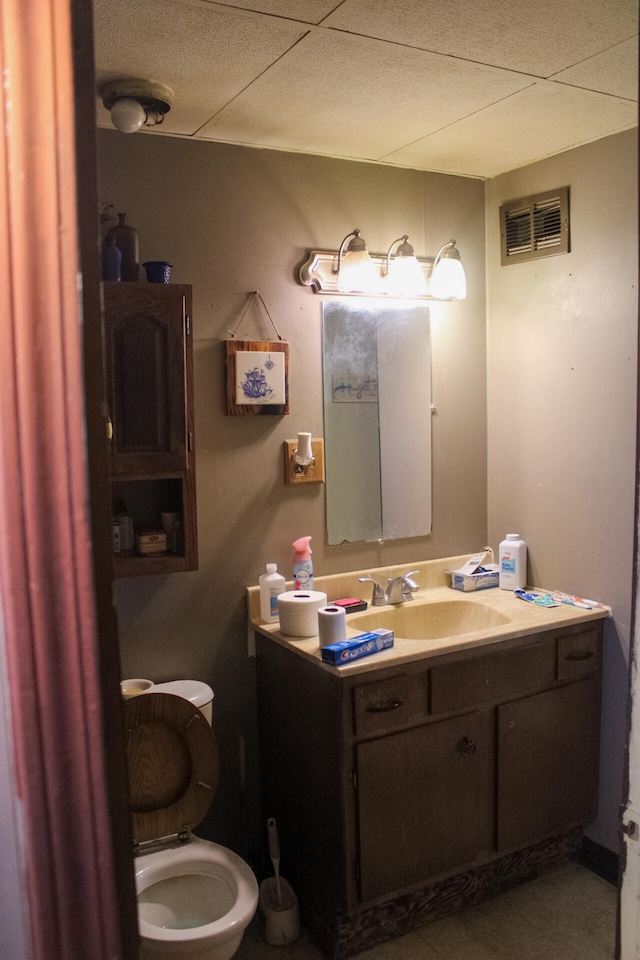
(361, 646)
(540, 599)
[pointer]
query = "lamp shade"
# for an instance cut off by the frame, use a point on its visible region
(405, 277)
(448, 280)
(357, 272)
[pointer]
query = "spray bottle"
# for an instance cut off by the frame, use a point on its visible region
(302, 565)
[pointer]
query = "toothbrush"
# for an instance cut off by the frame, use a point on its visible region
(577, 601)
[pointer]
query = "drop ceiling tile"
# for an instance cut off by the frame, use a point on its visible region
(535, 123)
(539, 37)
(615, 71)
(206, 56)
(340, 95)
(309, 11)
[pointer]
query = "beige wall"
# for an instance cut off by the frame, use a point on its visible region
(561, 370)
(562, 384)
(234, 220)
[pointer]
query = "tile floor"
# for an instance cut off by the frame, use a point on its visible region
(568, 914)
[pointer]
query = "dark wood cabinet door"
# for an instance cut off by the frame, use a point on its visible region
(421, 803)
(547, 762)
(146, 336)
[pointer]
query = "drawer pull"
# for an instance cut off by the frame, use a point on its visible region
(466, 747)
(579, 655)
(392, 705)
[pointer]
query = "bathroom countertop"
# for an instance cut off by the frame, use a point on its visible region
(523, 618)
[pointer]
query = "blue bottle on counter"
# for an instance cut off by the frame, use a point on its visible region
(111, 259)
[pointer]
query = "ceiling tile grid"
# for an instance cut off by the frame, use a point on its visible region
(354, 97)
(471, 87)
(540, 121)
(615, 71)
(538, 37)
(206, 56)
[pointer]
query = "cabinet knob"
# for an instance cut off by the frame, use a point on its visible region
(466, 747)
(579, 655)
(109, 429)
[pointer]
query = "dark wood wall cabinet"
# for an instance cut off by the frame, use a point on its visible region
(149, 359)
(406, 792)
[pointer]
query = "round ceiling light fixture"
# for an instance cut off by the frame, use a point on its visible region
(135, 103)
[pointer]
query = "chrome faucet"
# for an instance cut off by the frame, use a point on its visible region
(398, 590)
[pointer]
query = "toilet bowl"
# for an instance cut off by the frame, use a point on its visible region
(195, 897)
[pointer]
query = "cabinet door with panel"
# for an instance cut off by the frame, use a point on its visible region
(422, 806)
(149, 366)
(146, 328)
(547, 762)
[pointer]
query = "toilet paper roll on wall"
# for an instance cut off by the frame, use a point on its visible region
(298, 612)
(332, 625)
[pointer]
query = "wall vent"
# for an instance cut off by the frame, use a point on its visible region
(533, 227)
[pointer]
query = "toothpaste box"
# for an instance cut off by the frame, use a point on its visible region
(361, 646)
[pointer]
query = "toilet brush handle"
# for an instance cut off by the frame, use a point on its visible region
(274, 843)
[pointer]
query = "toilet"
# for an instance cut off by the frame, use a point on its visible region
(195, 897)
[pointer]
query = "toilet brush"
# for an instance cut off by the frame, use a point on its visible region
(274, 853)
(278, 902)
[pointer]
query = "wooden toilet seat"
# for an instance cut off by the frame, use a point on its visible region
(172, 762)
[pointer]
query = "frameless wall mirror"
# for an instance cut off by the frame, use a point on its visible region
(377, 420)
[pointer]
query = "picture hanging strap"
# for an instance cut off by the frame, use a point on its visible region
(258, 296)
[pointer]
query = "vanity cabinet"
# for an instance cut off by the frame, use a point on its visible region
(407, 791)
(149, 367)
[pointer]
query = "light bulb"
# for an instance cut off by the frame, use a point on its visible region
(127, 115)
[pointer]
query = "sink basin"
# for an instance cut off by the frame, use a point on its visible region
(430, 621)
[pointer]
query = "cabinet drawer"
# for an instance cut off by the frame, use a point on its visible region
(496, 676)
(388, 703)
(578, 653)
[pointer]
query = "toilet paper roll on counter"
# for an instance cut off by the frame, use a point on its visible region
(298, 612)
(332, 625)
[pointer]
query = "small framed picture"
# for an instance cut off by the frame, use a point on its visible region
(257, 377)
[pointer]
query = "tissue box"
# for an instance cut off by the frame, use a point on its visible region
(361, 646)
(481, 579)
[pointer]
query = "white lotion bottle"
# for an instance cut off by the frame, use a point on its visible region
(272, 584)
(512, 558)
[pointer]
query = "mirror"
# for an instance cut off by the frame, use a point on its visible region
(377, 420)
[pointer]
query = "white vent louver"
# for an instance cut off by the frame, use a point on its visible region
(536, 226)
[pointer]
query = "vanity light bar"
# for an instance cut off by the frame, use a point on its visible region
(321, 272)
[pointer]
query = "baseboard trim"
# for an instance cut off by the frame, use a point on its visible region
(600, 860)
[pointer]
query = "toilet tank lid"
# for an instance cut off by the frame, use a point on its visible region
(200, 694)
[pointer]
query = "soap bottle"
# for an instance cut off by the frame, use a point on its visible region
(302, 564)
(512, 558)
(272, 584)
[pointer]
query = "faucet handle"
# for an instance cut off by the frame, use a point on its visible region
(411, 584)
(378, 589)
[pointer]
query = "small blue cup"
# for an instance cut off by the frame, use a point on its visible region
(158, 271)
